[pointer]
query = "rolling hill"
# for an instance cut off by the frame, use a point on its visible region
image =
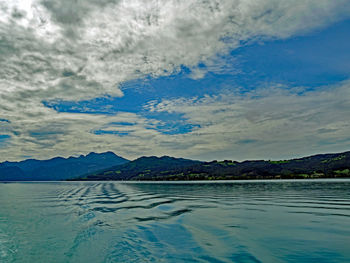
(144, 168)
(168, 168)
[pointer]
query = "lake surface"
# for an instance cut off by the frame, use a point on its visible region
(252, 221)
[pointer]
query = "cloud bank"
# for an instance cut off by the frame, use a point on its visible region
(273, 122)
(75, 50)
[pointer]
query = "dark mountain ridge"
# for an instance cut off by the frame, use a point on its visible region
(109, 166)
(169, 168)
(142, 168)
(57, 168)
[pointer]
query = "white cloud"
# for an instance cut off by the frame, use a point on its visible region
(273, 122)
(74, 50)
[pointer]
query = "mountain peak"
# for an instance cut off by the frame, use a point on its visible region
(109, 153)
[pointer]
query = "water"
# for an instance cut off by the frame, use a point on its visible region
(257, 221)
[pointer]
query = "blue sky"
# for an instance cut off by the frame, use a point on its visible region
(275, 86)
(319, 58)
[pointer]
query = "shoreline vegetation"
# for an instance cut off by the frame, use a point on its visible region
(197, 178)
(176, 169)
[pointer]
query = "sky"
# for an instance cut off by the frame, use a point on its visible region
(200, 79)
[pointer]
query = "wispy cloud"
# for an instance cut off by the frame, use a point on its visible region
(269, 122)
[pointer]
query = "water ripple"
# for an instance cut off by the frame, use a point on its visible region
(293, 221)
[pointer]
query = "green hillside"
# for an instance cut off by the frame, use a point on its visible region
(168, 168)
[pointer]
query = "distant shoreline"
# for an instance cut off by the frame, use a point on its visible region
(218, 180)
(345, 179)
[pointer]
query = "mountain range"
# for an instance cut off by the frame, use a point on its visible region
(58, 168)
(169, 168)
(109, 166)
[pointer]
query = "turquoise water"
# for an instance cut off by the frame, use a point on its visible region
(255, 221)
